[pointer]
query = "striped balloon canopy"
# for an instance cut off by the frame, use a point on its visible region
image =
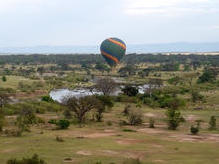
(113, 50)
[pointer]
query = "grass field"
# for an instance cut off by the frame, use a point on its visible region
(112, 144)
(13, 81)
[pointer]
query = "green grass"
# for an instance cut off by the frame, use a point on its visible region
(12, 81)
(117, 144)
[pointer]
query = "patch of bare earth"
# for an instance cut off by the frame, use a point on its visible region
(152, 131)
(134, 154)
(84, 152)
(149, 115)
(98, 135)
(8, 150)
(125, 154)
(172, 135)
(109, 152)
(159, 161)
(191, 117)
(196, 138)
(129, 141)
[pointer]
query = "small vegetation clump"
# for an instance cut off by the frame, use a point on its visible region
(174, 118)
(194, 130)
(212, 123)
(63, 124)
(151, 123)
(135, 117)
(33, 160)
(130, 90)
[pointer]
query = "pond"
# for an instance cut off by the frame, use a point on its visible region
(60, 94)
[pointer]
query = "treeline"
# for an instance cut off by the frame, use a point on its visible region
(193, 59)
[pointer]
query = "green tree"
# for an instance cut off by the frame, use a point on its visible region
(4, 79)
(209, 75)
(102, 67)
(174, 118)
(25, 118)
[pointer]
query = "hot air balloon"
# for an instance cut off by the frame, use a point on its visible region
(113, 50)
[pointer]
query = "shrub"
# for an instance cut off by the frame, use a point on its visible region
(106, 100)
(59, 139)
(196, 96)
(63, 124)
(33, 160)
(47, 99)
(125, 98)
(194, 130)
(130, 90)
(109, 123)
(128, 130)
(4, 79)
(52, 121)
(212, 123)
(151, 123)
(209, 75)
(174, 118)
(135, 117)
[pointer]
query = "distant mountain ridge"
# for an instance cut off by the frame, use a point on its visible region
(137, 48)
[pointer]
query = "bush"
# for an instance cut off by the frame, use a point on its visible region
(135, 117)
(59, 139)
(174, 118)
(130, 90)
(125, 98)
(209, 75)
(196, 96)
(109, 123)
(128, 130)
(52, 121)
(194, 130)
(33, 160)
(212, 123)
(47, 99)
(4, 79)
(151, 123)
(63, 124)
(106, 100)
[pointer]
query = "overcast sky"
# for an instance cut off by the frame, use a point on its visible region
(88, 22)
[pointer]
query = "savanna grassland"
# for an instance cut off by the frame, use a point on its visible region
(174, 121)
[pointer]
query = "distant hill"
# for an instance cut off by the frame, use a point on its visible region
(138, 48)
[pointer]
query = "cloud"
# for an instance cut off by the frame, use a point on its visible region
(171, 7)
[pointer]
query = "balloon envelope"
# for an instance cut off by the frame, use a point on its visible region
(113, 50)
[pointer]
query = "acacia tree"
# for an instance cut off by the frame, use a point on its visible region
(80, 107)
(106, 85)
